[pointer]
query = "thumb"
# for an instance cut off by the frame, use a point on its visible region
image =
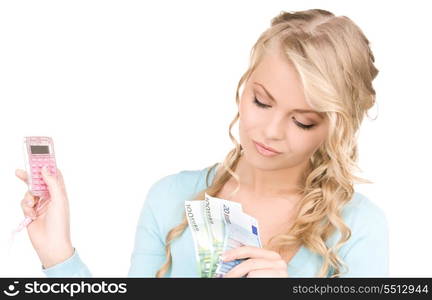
(50, 180)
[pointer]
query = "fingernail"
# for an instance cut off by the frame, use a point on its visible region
(45, 170)
(29, 202)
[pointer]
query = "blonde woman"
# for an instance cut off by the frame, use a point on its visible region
(305, 94)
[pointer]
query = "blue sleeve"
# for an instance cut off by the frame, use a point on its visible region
(71, 267)
(367, 254)
(148, 253)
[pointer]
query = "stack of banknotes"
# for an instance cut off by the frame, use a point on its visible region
(218, 225)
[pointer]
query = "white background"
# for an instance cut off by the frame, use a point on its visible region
(132, 91)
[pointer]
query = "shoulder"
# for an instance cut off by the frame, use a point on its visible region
(366, 220)
(166, 196)
(362, 212)
(183, 184)
(366, 252)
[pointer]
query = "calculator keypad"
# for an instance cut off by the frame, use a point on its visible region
(36, 165)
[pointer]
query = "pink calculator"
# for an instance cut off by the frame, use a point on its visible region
(39, 152)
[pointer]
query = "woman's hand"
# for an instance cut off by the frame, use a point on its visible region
(261, 263)
(49, 232)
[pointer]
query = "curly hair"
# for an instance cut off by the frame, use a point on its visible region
(336, 67)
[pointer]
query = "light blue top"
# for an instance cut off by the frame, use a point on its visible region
(366, 252)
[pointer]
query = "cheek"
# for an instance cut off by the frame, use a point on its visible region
(304, 142)
(250, 117)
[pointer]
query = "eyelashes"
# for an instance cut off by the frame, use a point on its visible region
(300, 125)
(262, 105)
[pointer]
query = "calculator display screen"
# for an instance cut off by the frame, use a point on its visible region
(39, 149)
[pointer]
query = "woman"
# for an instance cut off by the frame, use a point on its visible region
(306, 91)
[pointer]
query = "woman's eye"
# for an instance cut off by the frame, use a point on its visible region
(303, 126)
(260, 104)
(300, 125)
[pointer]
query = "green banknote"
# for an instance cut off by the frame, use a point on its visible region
(218, 225)
(201, 236)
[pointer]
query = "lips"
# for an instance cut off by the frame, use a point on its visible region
(267, 148)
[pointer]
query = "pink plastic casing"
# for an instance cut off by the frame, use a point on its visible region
(35, 162)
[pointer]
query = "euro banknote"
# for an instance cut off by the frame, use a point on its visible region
(213, 215)
(219, 225)
(240, 230)
(202, 239)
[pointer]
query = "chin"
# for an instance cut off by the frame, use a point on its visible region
(256, 160)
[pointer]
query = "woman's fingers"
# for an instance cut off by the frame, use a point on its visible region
(28, 204)
(55, 182)
(41, 209)
(42, 205)
(35, 206)
(52, 182)
(260, 262)
(267, 273)
(253, 264)
(250, 252)
(21, 174)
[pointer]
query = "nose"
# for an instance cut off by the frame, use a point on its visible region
(275, 128)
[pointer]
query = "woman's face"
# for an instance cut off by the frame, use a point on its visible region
(275, 122)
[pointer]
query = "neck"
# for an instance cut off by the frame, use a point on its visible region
(270, 183)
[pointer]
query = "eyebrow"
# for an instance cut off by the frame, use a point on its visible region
(273, 99)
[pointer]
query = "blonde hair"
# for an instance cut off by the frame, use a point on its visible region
(335, 64)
